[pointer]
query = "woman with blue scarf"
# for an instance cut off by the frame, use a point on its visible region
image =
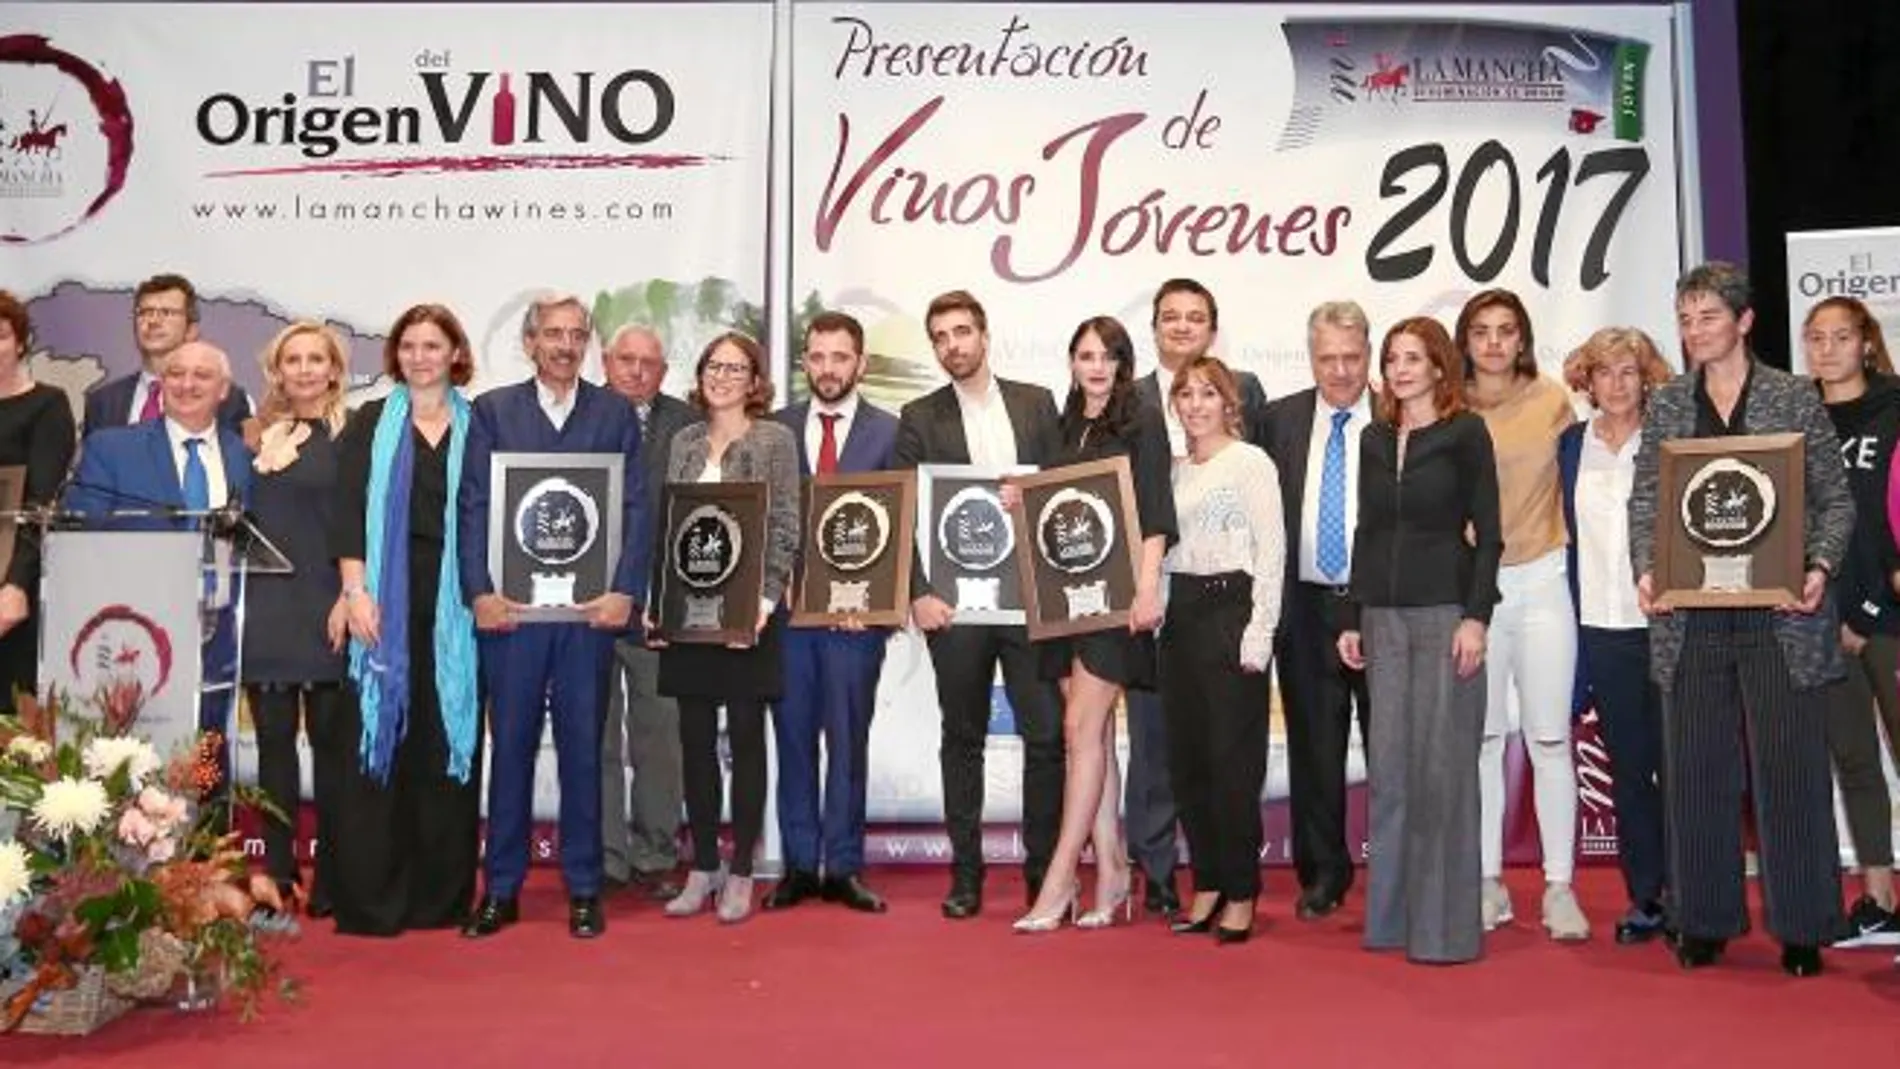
(407, 844)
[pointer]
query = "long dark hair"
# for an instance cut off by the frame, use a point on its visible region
(1118, 416)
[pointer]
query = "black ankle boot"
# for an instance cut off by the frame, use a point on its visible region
(1799, 959)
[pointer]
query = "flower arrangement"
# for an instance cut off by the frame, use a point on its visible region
(118, 862)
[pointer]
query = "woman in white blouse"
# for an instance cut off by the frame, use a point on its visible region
(1616, 368)
(1224, 581)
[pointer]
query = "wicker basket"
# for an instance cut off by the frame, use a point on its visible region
(78, 1010)
(161, 959)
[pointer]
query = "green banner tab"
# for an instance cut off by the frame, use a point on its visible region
(1632, 58)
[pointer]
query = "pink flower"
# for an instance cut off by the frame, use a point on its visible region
(161, 850)
(167, 809)
(136, 828)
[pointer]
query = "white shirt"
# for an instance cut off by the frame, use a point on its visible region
(1606, 590)
(1177, 434)
(1228, 510)
(147, 382)
(209, 453)
(557, 409)
(846, 411)
(1316, 473)
(986, 426)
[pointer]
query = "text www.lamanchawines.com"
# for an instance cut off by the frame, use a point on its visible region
(430, 211)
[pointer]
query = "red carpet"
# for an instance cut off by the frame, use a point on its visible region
(822, 986)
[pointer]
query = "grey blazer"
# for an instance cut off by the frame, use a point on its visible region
(1777, 402)
(766, 454)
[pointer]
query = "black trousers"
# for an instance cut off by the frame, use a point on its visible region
(1734, 719)
(277, 709)
(965, 659)
(1320, 696)
(705, 783)
(1853, 741)
(1217, 729)
(1629, 708)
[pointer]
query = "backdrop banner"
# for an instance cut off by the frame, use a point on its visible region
(344, 163)
(1060, 161)
(1862, 263)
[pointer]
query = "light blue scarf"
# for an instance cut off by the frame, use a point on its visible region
(381, 674)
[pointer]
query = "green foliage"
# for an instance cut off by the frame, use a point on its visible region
(115, 921)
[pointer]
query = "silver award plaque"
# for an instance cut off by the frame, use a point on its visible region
(707, 552)
(555, 524)
(1075, 531)
(853, 534)
(1727, 505)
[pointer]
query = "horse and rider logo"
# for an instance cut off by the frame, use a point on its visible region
(40, 138)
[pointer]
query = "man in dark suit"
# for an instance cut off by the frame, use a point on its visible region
(1313, 438)
(164, 316)
(830, 674)
(1185, 320)
(556, 669)
(980, 419)
(643, 725)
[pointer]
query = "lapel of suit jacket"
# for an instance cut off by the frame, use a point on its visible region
(237, 466)
(956, 445)
(794, 419)
(158, 452)
(857, 439)
(1022, 422)
(1299, 444)
(689, 455)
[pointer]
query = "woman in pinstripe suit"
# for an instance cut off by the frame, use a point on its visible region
(1745, 689)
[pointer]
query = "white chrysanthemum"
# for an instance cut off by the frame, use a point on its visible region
(103, 756)
(29, 749)
(69, 806)
(15, 878)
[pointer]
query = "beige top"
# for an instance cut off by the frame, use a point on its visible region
(1525, 427)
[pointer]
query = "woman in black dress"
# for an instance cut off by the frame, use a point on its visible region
(1102, 418)
(294, 624)
(38, 433)
(407, 846)
(737, 443)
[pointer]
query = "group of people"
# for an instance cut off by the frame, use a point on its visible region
(1411, 555)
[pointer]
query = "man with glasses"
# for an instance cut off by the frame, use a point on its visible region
(164, 317)
(542, 669)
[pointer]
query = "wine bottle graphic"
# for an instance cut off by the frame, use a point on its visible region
(502, 128)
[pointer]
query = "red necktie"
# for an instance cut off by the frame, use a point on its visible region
(151, 408)
(828, 444)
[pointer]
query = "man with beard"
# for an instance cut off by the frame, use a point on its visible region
(643, 725)
(556, 669)
(164, 317)
(979, 418)
(1185, 321)
(830, 675)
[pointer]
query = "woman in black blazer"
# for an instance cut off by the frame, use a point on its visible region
(1424, 581)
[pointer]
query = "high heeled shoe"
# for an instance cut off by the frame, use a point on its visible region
(1121, 901)
(1201, 925)
(1030, 924)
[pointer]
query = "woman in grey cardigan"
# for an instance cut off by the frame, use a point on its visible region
(735, 444)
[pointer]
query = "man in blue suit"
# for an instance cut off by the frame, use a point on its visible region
(164, 317)
(184, 461)
(552, 668)
(830, 675)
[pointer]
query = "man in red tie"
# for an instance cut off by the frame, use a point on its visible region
(164, 317)
(830, 675)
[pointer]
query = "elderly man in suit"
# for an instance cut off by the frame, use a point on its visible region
(978, 418)
(1185, 320)
(1744, 690)
(641, 848)
(185, 460)
(164, 317)
(541, 669)
(1313, 437)
(830, 675)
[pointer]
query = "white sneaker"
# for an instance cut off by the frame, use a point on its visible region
(699, 890)
(1496, 905)
(1563, 917)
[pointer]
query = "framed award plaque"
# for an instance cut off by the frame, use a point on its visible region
(554, 532)
(1730, 520)
(966, 541)
(856, 559)
(12, 496)
(712, 562)
(1076, 553)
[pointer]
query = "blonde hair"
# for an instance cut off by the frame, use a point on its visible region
(275, 407)
(1609, 344)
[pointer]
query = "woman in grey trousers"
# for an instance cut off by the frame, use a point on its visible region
(1422, 595)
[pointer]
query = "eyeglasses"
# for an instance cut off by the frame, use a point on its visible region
(720, 370)
(158, 313)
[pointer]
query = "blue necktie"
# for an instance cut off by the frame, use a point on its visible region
(197, 481)
(1330, 554)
